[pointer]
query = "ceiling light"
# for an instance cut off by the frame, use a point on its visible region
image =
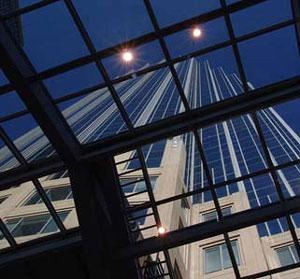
(197, 32)
(161, 230)
(127, 56)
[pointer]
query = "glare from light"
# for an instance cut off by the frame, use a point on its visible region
(161, 230)
(197, 32)
(127, 56)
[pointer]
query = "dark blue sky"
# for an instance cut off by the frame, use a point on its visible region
(51, 38)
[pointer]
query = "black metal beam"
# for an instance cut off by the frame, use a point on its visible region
(36, 247)
(103, 227)
(201, 117)
(202, 231)
(173, 126)
(295, 4)
(18, 69)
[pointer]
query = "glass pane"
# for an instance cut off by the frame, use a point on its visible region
(94, 116)
(73, 81)
(212, 259)
(112, 22)
(285, 256)
(29, 225)
(210, 78)
(28, 137)
(34, 199)
(271, 57)
(226, 211)
(3, 79)
(58, 194)
(10, 103)
(226, 258)
(7, 159)
(261, 16)
(51, 37)
(210, 216)
(51, 226)
(143, 56)
(212, 33)
(170, 11)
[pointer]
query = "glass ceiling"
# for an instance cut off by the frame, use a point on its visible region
(77, 48)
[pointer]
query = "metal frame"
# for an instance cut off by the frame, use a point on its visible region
(98, 217)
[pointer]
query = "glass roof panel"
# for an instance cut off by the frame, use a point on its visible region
(281, 130)
(7, 159)
(112, 22)
(169, 11)
(51, 37)
(94, 116)
(10, 103)
(232, 149)
(271, 57)
(150, 97)
(3, 79)
(289, 180)
(183, 42)
(261, 16)
(143, 56)
(73, 81)
(210, 78)
(28, 138)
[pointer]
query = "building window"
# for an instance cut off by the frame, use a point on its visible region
(211, 216)
(287, 255)
(32, 225)
(136, 184)
(217, 258)
(54, 194)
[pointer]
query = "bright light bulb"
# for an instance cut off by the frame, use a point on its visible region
(197, 32)
(161, 230)
(127, 56)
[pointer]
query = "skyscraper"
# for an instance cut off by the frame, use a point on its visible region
(232, 147)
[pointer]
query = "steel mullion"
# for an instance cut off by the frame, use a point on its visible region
(272, 271)
(84, 34)
(258, 99)
(295, 6)
(187, 108)
(19, 156)
(216, 202)
(202, 231)
(275, 178)
(153, 206)
(166, 54)
(56, 70)
(215, 186)
(236, 51)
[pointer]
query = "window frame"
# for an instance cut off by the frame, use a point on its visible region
(220, 250)
(293, 255)
(47, 190)
(205, 213)
(41, 231)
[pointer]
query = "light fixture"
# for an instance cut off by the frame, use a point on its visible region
(127, 56)
(196, 32)
(161, 230)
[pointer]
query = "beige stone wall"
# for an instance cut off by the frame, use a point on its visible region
(270, 244)
(256, 254)
(250, 250)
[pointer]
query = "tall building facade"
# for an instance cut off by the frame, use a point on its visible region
(232, 148)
